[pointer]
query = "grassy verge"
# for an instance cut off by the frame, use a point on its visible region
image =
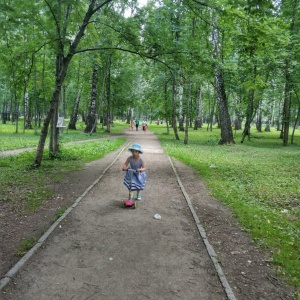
(258, 179)
(26, 188)
(30, 137)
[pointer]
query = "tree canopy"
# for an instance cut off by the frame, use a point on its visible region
(234, 63)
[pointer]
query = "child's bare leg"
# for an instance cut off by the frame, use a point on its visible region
(130, 195)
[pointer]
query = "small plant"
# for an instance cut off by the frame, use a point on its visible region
(25, 246)
(60, 212)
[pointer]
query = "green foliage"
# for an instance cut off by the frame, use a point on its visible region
(258, 180)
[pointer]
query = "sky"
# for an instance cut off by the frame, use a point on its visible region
(141, 3)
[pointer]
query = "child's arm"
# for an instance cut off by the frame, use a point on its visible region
(143, 167)
(125, 166)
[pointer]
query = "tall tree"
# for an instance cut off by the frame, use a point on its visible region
(62, 64)
(291, 12)
(225, 121)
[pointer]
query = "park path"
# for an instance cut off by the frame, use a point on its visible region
(101, 250)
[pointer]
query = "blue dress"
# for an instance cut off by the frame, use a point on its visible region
(138, 178)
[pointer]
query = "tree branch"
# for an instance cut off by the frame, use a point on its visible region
(57, 25)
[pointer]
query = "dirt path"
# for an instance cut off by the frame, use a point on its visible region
(103, 251)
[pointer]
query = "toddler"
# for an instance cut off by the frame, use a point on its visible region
(139, 177)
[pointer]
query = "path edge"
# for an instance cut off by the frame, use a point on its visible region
(23, 261)
(210, 250)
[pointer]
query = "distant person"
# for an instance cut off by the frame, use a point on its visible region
(144, 125)
(131, 125)
(138, 179)
(137, 122)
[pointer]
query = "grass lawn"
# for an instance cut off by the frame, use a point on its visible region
(29, 138)
(259, 180)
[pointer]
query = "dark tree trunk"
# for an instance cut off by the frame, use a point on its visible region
(73, 119)
(225, 122)
(54, 133)
(259, 119)
(224, 117)
(91, 118)
(63, 101)
(250, 110)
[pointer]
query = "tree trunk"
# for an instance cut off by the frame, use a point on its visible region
(180, 97)
(225, 122)
(224, 117)
(108, 96)
(91, 118)
(73, 119)
(267, 128)
(187, 117)
(279, 116)
(54, 146)
(63, 101)
(286, 106)
(174, 121)
(211, 114)
(27, 109)
(269, 118)
(237, 117)
(198, 119)
(166, 105)
(296, 122)
(74, 116)
(259, 119)
(250, 110)
(48, 118)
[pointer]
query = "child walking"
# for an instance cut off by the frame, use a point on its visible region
(138, 180)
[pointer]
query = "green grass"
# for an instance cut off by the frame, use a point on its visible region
(259, 180)
(25, 246)
(27, 188)
(60, 212)
(30, 137)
